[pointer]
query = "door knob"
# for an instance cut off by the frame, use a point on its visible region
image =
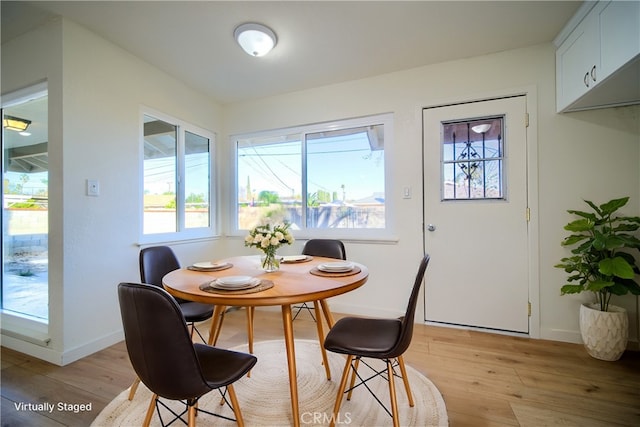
(431, 227)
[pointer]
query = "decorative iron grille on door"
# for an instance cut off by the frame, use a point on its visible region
(472, 159)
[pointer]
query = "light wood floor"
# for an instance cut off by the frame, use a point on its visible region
(486, 379)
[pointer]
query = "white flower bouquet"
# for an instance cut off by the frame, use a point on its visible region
(268, 239)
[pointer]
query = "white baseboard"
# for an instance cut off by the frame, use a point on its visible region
(92, 347)
(351, 310)
(36, 350)
(562, 335)
(56, 357)
(363, 311)
(476, 328)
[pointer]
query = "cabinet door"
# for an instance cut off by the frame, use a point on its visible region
(619, 35)
(575, 61)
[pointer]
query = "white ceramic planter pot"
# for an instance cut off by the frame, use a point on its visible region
(604, 333)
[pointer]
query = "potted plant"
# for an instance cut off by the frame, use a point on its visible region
(601, 263)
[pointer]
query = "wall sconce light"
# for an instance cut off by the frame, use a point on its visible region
(15, 123)
(255, 39)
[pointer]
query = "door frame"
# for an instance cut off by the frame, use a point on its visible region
(531, 100)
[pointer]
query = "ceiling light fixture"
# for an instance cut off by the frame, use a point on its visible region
(481, 128)
(15, 123)
(255, 39)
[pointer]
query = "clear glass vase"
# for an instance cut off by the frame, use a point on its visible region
(270, 262)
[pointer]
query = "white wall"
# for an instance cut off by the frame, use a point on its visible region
(591, 155)
(33, 58)
(93, 240)
(104, 88)
(96, 90)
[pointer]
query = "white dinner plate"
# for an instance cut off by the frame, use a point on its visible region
(252, 282)
(210, 265)
(337, 267)
(234, 280)
(294, 258)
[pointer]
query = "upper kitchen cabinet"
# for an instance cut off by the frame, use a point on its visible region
(598, 57)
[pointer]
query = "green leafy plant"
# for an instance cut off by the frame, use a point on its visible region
(601, 262)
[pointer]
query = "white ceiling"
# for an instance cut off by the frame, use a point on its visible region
(319, 42)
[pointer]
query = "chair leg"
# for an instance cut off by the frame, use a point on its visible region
(305, 306)
(353, 377)
(405, 379)
(152, 406)
(392, 394)
(134, 388)
(341, 388)
(236, 407)
(192, 416)
(298, 310)
(194, 329)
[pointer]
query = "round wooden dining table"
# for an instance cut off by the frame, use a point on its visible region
(296, 282)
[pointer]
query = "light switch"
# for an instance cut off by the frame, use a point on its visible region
(406, 193)
(93, 187)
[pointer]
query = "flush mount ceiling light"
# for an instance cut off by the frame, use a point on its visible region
(15, 123)
(255, 39)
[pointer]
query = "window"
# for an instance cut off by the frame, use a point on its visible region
(177, 179)
(328, 177)
(472, 159)
(25, 204)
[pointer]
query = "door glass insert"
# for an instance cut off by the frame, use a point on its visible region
(472, 159)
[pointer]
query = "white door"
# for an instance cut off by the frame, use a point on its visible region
(475, 211)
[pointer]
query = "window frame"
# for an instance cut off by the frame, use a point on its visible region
(361, 234)
(16, 325)
(501, 159)
(182, 233)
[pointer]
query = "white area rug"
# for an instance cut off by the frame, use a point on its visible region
(264, 397)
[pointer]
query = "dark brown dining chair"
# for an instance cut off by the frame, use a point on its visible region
(383, 339)
(155, 262)
(329, 248)
(168, 362)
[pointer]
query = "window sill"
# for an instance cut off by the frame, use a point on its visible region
(25, 328)
(166, 240)
(381, 239)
